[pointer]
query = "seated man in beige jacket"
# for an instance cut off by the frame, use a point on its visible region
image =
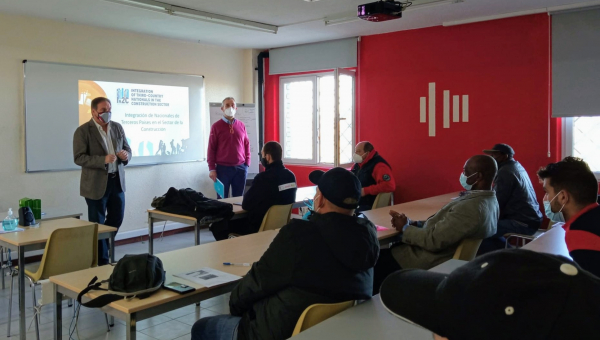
(425, 244)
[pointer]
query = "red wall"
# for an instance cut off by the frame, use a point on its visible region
(503, 65)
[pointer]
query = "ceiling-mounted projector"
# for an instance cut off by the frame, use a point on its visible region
(381, 10)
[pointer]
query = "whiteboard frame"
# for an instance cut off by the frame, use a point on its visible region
(25, 61)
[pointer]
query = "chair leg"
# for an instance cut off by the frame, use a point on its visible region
(107, 323)
(36, 317)
(12, 281)
(70, 302)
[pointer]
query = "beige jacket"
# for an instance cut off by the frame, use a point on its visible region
(472, 216)
(89, 152)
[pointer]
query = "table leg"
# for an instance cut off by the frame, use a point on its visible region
(130, 326)
(150, 235)
(112, 247)
(2, 264)
(197, 233)
(58, 316)
(22, 322)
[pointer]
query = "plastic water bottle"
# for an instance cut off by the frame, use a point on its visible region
(10, 222)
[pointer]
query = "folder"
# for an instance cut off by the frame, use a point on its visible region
(220, 188)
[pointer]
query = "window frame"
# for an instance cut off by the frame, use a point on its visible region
(567, 140)
(316, 137)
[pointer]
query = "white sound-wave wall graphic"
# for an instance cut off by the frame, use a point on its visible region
(428, 109)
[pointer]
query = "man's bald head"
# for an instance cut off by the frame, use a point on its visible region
(363, 147)
(485, 168)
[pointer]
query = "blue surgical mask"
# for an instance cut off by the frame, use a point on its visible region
(105, 117)
(463, 181)
(554, 216)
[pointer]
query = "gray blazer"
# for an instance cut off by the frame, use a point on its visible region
(89, 152)
(472, 216)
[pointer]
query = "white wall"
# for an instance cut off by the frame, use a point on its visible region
(35, 39)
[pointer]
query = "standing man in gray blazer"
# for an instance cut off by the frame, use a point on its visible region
(102, 151)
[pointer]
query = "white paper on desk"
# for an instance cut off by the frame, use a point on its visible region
(208, 277)
(2, 231)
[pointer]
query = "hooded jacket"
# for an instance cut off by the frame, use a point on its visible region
(327, 259)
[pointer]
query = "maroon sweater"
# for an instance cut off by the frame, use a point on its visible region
(228, 144)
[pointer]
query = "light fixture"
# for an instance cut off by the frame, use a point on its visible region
(161, 7)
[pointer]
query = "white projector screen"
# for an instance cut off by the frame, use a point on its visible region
(162, 114)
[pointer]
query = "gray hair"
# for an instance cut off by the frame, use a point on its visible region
(223, 102)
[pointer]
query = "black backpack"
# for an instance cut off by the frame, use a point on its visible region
(133, 276)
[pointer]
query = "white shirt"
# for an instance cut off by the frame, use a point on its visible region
(112, 167)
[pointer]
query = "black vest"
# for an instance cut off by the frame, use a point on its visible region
(365, 176)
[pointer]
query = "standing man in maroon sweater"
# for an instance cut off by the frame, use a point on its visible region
(229, 150)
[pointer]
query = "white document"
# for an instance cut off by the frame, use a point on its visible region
(208, 277)
(2, 231)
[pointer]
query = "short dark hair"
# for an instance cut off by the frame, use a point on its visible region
(99, 100)
(274, 149)
(368, 147)
(573, 175)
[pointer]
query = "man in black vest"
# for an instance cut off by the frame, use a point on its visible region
(374, 173)
(276, 185)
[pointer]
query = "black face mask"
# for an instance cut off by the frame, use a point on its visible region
(264, 162)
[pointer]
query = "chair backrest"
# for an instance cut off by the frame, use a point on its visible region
(317, 313)
(276, 217)
(467, 249)
(69, 250)
(382, 199)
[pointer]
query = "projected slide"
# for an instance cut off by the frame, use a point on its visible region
(156, 118)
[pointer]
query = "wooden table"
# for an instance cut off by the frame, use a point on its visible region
(157, 215)
(247, 249)
(415, 210)
(550, 242)
(35, 239)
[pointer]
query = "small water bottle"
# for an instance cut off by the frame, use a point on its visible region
(10, 222)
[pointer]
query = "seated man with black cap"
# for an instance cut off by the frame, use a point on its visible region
(327, 259)
(509, 294)
(425, 244)
(274, 186)
(519, 207)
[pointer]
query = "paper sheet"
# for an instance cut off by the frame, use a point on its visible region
(2, 231)
(208, 277)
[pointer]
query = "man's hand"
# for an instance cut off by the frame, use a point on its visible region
(213, 175)
(109, 159)
(398, 220)
(123, 155)
(362, 192)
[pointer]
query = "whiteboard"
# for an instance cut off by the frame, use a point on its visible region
(162, 114)
(247, 114)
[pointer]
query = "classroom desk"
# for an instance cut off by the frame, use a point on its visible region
(157, 215)
(550, 242)
(415, 210)
(241, 249)
(34, 239)
(370, 320)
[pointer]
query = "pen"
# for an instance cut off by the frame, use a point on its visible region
(236, 264)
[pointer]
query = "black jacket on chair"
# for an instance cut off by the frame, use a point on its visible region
(275, 186)
(327, 259)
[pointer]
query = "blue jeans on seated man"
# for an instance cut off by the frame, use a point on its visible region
(498, 241)
(222, 327)
(108, 210)
(234, 177)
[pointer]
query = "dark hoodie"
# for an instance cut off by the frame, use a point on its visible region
(328, 259)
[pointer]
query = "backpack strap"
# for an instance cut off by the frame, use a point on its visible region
(100, 301)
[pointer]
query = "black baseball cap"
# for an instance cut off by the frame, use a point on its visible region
(504, 148)
(507, 294)
(339, 186)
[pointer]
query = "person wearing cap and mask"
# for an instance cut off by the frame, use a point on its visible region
(519, 208)
(228, 154)
(508, 294)
(571, 197)
(327, 259)
(425, 244)
(374, 173)
(100, 148)
(274, 186)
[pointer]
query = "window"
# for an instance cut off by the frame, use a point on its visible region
(313, 130)
(581, 138)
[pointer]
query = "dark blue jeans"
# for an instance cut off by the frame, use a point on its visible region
(498, 241)
(234, 177)
(109, 211)
(222, 327)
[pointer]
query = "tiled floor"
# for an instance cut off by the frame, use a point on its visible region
(176, 324)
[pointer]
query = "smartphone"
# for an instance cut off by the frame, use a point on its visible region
(179, 288)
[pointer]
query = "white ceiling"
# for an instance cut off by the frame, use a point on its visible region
(290, 15)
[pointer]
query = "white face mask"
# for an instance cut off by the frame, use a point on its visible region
(105, 117)
(230, 112)
(356, 158)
